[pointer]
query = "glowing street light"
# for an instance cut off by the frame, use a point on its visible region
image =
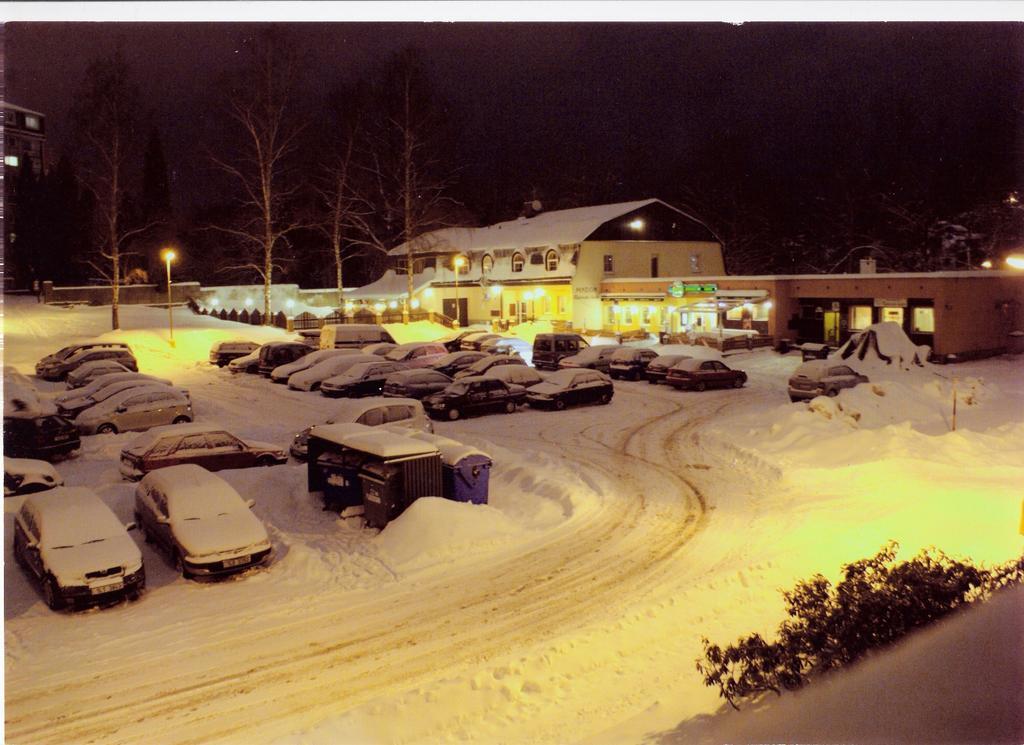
(986, 264)
(168, 256)
(1015, 262)
(458, 262)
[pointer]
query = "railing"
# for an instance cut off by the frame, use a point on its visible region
(306, 321)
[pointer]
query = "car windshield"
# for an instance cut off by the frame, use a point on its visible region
(457, 389)
(64, 353)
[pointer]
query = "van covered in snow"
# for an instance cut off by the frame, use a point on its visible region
(352, 335)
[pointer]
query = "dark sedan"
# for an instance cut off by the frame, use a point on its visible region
(362, 379)
(205, 445)
(455, 361)
(492, 360)
(474, 395)
(571, 387)
(415, 383)
(697, 375)
(657, 369)
(630, 363)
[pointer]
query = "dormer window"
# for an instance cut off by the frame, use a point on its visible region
(551, 261)
(487, 263)
(517, 262)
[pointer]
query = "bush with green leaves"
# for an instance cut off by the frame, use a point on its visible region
(876, 603)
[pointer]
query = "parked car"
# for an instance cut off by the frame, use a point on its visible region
(71, 543)
(249, 363)
(72, 407)
(822, 378)
(282, 373)
(509, 345)
(223, 352)
(474, 395)
(311, 379)
(362, 379)
(657, 368)
(453, 342)
(59, 369)
(277, 353)
(98, 384)
(202, 523)
(206, 445)
(594, 358)
(697, 375)
(472, 342)
(89, 371)
(452, 362)
(630, 362)
(28, 476)
(415, 383)
(371, 412)
(380, 348)
(52, 360)
(352, 335)
(136, 409)
(30, 434)
(417, 354)
(550, 349)
(481, 366)
(523, 375)
(571, 387)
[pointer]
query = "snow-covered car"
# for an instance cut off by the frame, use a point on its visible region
(630, 362)
(362, 379)
(452, 362)
(312, 378)
(136, 409)
(698, 375)
(28, 476)
(594, 358)
(822, 378)
(474, 395)
(571, 387)
(207, 445)
(373, 411)
(472, 342)
(523, 375)
(71, 543)
(281, 373)
(509, 345)
(247, 363)
(415, 383)
(64, 400)
(417, 354)
(202, 523)
(51, 361)
(487, 363)
(89, 371)
(59, 369)
(380, 348)
(276, 353)
(72, 407)
(453, 342)
(657, 368)
(223, 352)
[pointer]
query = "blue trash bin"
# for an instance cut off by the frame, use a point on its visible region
(468, 478)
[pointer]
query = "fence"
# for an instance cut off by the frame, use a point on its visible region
(306, 321)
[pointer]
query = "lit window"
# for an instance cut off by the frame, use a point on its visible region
(551, 261)
(517, 262)
(486, 263)
(924, 320)
(612, 314)
(31, 122)
(11, 160)
(860, 317)
(609, 264)
(561, 304)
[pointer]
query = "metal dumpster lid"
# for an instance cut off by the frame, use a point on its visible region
(386, 444)
(452, 451)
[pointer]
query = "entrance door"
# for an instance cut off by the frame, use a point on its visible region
(461, 315)
(831, 327)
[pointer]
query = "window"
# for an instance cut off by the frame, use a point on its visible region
(612, 314)
(31, 122)
(609, 264)
(895, 315)
(860, 317)
(373, 417)
(654, 265)
(695, 263)
(192, 442)
(924, 321)
(163, 447)
(486, 263)
(399, 413)
(551, 261)
(222, 440)
(646, 313)
(517, 262)
(561, 304)
(11, 160)
(841, 370)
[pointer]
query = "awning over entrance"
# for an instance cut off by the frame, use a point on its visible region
(638, 296)
(742, 295)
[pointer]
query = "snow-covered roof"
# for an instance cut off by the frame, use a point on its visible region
(72, 515)
(22, 109)
(193, 491)
(557, 227)
(376, 441)
(353, 408)
(392, 286)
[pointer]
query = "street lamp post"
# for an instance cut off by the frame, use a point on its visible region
(168, 255)
(458, 263)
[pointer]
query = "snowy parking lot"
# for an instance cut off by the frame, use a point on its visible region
(570, 608)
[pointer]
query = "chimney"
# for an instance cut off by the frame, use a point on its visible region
(533, 208)
(867, 266)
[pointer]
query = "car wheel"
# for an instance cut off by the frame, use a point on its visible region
(559, 404)
(265, 461)
(453, 414)
(793, 399)
(181, 420)
(737, 383)
(700, 386)
(510, 407)
(51, 593)
(605, 398)
(832, 392)
(143, 529)
(179, 565)
(106, 429)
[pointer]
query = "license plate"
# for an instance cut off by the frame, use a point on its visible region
(107, 588)
(337, 480)
(61, 438)
(236, 562)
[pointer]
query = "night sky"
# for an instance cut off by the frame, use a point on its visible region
(651, 108)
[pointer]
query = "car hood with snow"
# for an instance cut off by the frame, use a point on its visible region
(69, 564)
(226, 532)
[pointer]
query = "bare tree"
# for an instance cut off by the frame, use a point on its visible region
(105, 120)
(410, 183)
(259, 105)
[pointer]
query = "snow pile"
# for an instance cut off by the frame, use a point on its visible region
(883, 347)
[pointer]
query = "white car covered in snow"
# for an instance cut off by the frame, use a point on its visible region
(200, 521)
(89, 371)
(310, 380)
(27, 476)
(71, 543)
(822, 378)
(247, 363)
(73, 406)
(281, 373)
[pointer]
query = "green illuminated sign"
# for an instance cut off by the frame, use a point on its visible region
(678, 289)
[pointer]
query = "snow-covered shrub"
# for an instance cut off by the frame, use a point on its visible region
(877, 602)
